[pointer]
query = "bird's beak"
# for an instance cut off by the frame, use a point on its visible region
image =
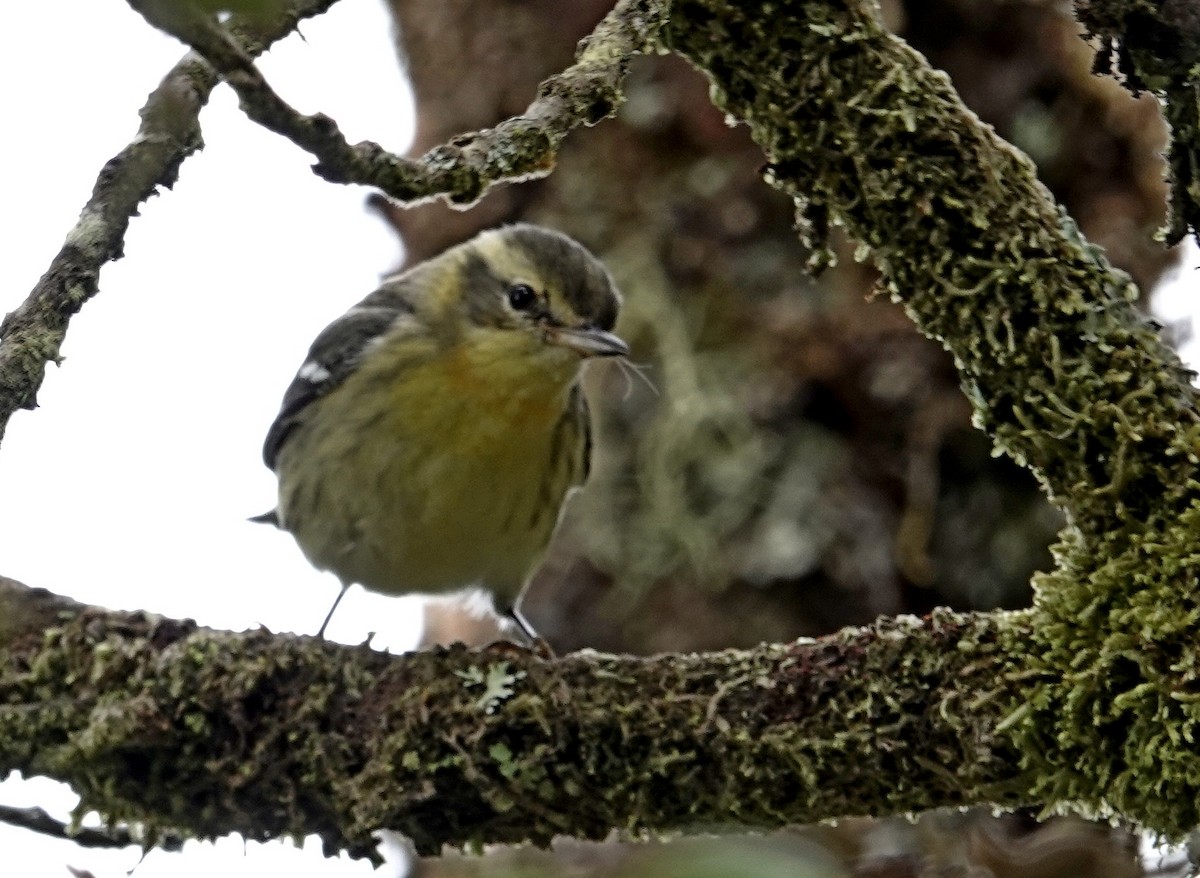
(589, 341)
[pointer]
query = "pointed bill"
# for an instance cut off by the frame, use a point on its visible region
(589, 341)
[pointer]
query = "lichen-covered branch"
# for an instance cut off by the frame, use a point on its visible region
(178, 727)
(1155, 45)
(1062, 371)
(31, 335)
(519, 148)
(1089, 700)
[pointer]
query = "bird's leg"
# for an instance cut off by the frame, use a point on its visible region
(329, 615)
(538, 645)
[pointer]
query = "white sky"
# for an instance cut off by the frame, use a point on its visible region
(130, 486)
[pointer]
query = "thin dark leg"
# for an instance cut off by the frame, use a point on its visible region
(329, 615)
(513, 613)
(538, 645)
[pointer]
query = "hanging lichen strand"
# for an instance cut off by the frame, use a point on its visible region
(1060, 369)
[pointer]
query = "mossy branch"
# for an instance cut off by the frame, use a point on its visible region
(1089, 700)
(1062, 371)
(32, 335)
(521, 148)
(175, 727)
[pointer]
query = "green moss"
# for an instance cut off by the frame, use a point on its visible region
(1087, 701)
(1118, 700)
(1062, 372)
(201, 733)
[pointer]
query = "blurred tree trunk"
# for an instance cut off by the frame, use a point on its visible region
(807, 461)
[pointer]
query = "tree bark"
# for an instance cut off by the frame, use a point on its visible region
(175, 727)
(1088, 700)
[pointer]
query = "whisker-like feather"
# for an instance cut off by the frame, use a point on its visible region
(639, 369)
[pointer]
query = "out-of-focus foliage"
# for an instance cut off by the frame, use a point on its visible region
(973, 844)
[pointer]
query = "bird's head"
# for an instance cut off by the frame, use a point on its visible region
(542, 292)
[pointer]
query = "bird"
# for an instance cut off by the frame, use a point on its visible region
(433, 432)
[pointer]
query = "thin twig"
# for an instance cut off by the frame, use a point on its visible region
(519, 148)
(39, 821)
(32, 335)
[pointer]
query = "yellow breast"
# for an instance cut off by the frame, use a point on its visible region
(445, 468)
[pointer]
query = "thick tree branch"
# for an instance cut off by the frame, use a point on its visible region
(31, 336)
(519, 148)
(1062, 372)
(1090, 699)
(172, 726)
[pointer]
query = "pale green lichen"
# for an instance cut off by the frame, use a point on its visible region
(497, 684)
(203, 733)
(1094, 689)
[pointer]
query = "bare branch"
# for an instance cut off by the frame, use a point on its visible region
(37, 820)
(519, 148)
(32, 335)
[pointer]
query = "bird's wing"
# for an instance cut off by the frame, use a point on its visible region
(333, 355)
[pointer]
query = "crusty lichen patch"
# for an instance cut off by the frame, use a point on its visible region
(523, 750)
(178, 729)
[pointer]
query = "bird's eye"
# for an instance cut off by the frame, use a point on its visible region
(521, 297)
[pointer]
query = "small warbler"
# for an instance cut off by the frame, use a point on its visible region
(433, 432)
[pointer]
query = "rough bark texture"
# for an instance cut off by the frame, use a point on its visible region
(1085, 701)
(1061, 371)
(172, 726)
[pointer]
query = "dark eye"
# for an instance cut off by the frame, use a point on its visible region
(522, 297)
